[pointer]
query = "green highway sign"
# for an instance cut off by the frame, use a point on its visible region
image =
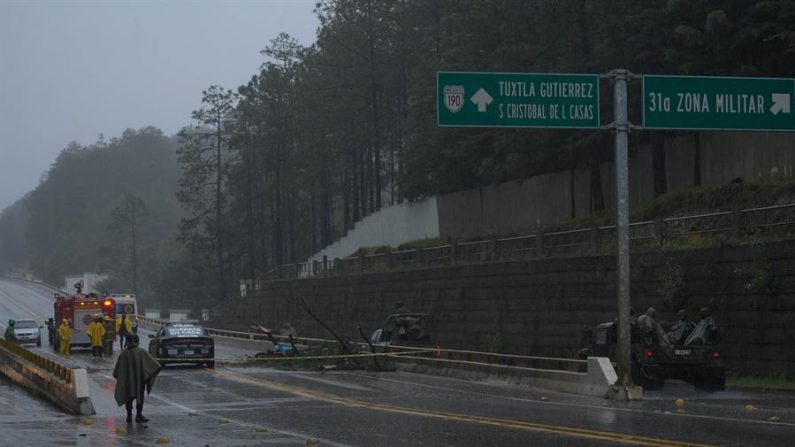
(718, 103)
(517, 100)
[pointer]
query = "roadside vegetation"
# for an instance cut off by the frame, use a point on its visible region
(767, 383)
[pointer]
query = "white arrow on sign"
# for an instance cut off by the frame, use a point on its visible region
(780, 103)
(482, 99)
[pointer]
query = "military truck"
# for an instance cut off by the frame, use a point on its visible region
(652, 364)
(405, 329)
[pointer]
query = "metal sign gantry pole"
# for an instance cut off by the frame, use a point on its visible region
(621, 127)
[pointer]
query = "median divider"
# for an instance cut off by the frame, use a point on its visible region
(592, 377)
(63, 386)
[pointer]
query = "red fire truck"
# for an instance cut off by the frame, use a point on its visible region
(81, 309)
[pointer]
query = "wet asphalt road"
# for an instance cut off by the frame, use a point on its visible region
(248, 405)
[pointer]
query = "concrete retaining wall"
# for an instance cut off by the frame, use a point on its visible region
(72, 396)
(541, 307)
(554, 198)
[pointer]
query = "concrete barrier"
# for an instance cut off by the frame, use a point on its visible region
(598, 381)
(65, 387)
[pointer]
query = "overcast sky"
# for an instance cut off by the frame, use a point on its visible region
(70, 70)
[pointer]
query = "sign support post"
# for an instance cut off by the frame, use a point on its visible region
(622, 224)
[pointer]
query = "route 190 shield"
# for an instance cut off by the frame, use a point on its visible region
(454, 97)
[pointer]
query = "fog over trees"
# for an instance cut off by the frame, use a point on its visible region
(271, 171)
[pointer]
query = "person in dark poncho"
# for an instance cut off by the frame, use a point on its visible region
(135, 373)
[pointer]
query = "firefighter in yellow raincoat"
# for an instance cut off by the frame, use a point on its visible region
(96, 332)
(64, 337)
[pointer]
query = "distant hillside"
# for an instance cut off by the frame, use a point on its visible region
(77, 219)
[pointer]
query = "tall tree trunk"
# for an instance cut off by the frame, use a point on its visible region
(219, 246)
(658, 163)
(697, 161)
(134, 250)
(250, 204)
(370, 197)
(291, 225)
(313, 213)
(597, 195)
(363, 183)
(346, 201)
(277, 235)
(355, 193)
(325, 206)
(402, 115)
(572, 203)
(375, 203)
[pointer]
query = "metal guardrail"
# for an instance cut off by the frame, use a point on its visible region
(525, 361)
(491, 358)
(62, 372)
(778, 219)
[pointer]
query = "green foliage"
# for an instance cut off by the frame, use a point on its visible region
(767, 383)
(420, 243)
(673, 289)
(760, 277)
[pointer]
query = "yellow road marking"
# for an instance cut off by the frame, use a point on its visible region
(461, 417)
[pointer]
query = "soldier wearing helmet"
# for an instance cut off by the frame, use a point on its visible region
(10, 335)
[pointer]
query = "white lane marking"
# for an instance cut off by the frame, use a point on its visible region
(574, 405)
(38, 291)
(239, 422)
(20, 305)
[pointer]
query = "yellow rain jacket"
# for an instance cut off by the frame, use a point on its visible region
(65, 335)
(127, 325)
(96, 330)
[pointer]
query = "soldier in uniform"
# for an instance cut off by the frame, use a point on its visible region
(681, 329)
(10, 335)
(706, 332)
(650, 330)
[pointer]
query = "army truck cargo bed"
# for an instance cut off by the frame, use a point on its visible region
(696, 360)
